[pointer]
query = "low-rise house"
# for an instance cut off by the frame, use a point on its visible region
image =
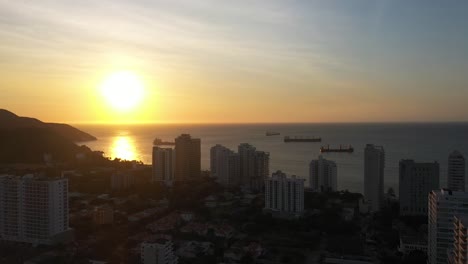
(192, 249)
(409, 243)
(167, 223)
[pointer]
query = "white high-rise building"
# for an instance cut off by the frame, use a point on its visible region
(443, 206)
(417, 180)
(254, 166)
(163, 165)
(225, 166)
(323, 175)
(374, 166)
(159, 252)
(456, 172)
(459, 254)
(34, 209)
(283, 194)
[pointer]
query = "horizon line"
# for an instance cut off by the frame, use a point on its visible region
(267, 123)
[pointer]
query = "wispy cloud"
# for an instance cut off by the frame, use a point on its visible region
(320, 50)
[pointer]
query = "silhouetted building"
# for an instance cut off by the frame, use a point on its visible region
(254, 166)
(103, 215)
(158, 252)
(456, 172)
(225, 166)
(34, 209)
(284, 195)
(374, 166)
(247, 162)
(443, 206)
(459, 254)
(323, 175)
(188, 158)
(262, 170)
(163, 165)
(122, 181)
(417, 180)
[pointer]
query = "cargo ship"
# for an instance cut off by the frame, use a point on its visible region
(348, 149)
(269, 133)
(302, 139)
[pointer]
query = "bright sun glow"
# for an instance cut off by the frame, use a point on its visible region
(123, 148)
(123, 90)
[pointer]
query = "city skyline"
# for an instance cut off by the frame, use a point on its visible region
(217, 131)
(231, 62)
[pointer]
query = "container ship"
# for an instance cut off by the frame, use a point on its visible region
(348, 149)
(270, 133)
(302, 139)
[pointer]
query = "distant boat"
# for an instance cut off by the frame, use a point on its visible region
(348, 149)
(159, 142)
(288, 139)
(270, 133)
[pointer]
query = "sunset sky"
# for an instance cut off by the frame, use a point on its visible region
(216, 61)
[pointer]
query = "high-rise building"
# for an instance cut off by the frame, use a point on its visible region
(163, 165)
(187, 158)
(254, 166)
(417, 180)
(284, 195)
(122, 181)
(456, 172)
(322, 175)
(247, 162)
(459, 254)
(158, 252)
(374, 166)
(262, 170)
(225, 166)
(443, 206)
(34, 209)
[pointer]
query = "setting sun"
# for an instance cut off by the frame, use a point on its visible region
(123, 90)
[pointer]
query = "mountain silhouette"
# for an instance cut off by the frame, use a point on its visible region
(11, 121)
(27, 140)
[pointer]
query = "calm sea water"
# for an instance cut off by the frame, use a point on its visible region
(421, 142)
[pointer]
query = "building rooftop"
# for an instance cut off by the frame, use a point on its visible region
(35, 177)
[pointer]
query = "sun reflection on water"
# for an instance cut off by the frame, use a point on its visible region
(123, 148)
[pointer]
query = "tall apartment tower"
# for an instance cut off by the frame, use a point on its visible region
(459, 254)
(225, 166)
(456, 172)
(262, 170)
(158, 252)
(417, 180)
(187, 158)
(122, 181)
(33, 209)
(254, 166)
(284, 195)
(163, 165)
(247, 162)
(374, 166)
(443, 206)
(323, 175)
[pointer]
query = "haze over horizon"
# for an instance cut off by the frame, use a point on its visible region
(233, 62)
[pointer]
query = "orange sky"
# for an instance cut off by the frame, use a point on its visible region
(229, 62)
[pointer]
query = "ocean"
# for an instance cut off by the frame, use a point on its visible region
(424, 142)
